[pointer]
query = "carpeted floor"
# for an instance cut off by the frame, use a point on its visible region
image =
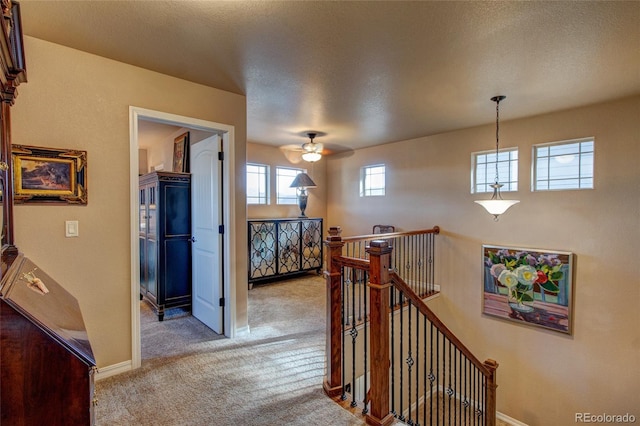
(191, 376)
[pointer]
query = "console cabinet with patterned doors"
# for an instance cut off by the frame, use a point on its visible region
(283, 247)
(165, 240)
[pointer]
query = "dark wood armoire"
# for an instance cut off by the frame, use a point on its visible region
(46, 362)
(165, 240)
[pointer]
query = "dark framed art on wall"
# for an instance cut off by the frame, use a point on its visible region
(181, 153)
(49, 175)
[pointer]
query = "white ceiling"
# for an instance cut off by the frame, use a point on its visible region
(366, 73)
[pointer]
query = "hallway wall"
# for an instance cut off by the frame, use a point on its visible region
(544, 377)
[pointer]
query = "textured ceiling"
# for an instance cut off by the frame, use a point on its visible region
(366, 73)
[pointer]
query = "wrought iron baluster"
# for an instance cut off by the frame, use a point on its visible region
(431, 256)
(417, 366)
(424, 370)
(401, 396)
(449, 389)
(354, 335)
(438, 374)
(432, 377)
(409, 360)
(414, 264)
(419, 256)
(343, 291)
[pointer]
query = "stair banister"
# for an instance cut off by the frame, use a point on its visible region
(333, 275)
(379, 284)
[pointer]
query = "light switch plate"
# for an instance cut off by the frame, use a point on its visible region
(71, 228)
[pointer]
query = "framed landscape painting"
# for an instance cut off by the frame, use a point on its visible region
(49, 175)
(529, 286)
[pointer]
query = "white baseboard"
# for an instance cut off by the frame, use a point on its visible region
(242, 331)
(114, 369)
(509, 420)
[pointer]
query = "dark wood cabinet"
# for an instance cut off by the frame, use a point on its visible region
(165, 240)
(282, 247)
(47, 374)
(47, 365)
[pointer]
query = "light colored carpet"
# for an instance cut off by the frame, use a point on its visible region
(191, 376)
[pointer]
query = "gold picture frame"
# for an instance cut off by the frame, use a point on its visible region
(181, 153)
(49, 175)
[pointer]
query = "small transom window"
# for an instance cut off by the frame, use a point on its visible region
(372, 180)
(483, 173)
(563, 165)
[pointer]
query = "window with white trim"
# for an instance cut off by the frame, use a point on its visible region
(284, 178)
(372, 180)
(563, 165)
(257, 184)
(483, 173)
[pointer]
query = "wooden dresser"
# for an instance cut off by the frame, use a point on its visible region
(47, 374)
(46, 362)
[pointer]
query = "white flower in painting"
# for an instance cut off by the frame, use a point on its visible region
(508, 278)
(497, 269)
(527, 275)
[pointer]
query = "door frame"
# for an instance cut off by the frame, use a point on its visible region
(227, 132)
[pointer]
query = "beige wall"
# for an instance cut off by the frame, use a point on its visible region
(274, 157)
(544, 376)
(81, 101)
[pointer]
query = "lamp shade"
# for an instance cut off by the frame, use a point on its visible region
(302, 180)
(497, 207)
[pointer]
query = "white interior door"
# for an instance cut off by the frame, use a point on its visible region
(207, 239)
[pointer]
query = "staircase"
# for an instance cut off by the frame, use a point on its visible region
(388, 355)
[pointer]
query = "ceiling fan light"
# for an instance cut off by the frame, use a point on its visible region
(311, 157)
(312, 147)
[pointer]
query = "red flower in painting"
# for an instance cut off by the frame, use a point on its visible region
(542, 278)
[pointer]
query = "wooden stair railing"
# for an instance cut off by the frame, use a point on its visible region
(383, 284)
(487, 369)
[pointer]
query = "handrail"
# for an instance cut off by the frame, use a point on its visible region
(434, 230)
(353, 262)
(424, 309)
(361, 289)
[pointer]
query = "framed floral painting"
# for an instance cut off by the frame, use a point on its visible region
(530, 286)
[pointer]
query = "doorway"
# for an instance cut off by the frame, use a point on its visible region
(224, 139)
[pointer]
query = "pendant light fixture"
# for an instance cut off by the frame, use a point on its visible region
(496, 205)
(312, 151)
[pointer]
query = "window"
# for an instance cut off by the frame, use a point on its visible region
(284, 178)
(372, 180)
(257, 184)
(484, 170)
(563, 165)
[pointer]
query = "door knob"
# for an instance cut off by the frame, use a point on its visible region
(193, 239)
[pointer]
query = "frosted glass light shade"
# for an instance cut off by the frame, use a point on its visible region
(497, 207)
(311, 156)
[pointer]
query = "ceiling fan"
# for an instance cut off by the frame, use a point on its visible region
(310, 151)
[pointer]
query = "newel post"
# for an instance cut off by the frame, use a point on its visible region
(492, 384)
(379, 284)
(333, 379)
